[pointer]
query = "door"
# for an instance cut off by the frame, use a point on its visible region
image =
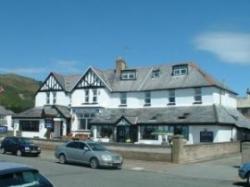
(83, 154)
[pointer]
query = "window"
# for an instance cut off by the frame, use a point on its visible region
(30, 126)
(123, 99)
(155, 73)
(86, 96)
(47, 98)
(72, 145)
(147, 132)
(105, 131)
(84, 121)
(94, 96)
(54, 97)
(171, 97)
(147, 99)
(128, 75)
(180, 70)
(197, 96)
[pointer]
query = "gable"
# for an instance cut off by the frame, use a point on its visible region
(90, 80)
(51, 84)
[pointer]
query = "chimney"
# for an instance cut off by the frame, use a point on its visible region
(120, 65)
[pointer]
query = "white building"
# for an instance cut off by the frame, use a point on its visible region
(5, 119)
(139, 105)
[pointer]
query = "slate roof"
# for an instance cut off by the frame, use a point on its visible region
(68, 82)
(5, 112)
(195, 78)
(213, 114)
(45, 111)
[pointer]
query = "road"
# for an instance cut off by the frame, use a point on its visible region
(207, 174)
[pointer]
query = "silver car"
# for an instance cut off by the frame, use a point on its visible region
(88, 152)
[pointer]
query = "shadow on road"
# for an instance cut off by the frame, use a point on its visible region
(243, 184)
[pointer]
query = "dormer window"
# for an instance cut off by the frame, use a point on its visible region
(155, 73)
(179, 70)
(128, 75)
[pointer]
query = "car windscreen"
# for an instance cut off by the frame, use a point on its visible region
(97, 147)
(25, 141)
(20, 179)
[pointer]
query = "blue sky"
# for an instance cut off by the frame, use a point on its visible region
(40, 36)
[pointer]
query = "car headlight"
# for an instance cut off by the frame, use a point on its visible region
(106, 157)
(26, 148)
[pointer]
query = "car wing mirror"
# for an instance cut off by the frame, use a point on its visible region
(86, 149)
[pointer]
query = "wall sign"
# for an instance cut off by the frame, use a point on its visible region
(206, 136)
(49, 123)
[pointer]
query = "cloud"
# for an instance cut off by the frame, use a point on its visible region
(228, 46)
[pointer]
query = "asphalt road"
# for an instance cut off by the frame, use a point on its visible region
(179, 176)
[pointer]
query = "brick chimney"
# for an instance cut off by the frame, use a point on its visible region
(120, 65)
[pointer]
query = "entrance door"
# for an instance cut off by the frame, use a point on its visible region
(58, 129)
(127, 134)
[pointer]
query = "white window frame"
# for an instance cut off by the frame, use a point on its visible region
(171, 97)
(123, 99)
(47, 98)
(86, 98)
(147, 98)
(54, 97)
(197, 95)
(95, 98)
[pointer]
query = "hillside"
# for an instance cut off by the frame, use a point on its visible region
(17, 92)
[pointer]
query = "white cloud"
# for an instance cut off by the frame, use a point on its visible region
(228, 46)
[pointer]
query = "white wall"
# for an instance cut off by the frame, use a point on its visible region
(61, 99)
(224, 98)
(221, 133)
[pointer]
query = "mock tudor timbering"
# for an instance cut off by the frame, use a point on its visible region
(145, 105)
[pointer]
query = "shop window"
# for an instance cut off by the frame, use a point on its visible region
(30, 126)
(105, 131)
(147, 132)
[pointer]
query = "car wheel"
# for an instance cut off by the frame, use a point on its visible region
(94, 163)
(248, 178)
(62, 159)
(2, 150)
(19, 153)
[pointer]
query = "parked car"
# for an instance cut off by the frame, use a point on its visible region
(244, 172)
(19, 146)
(14, 174)
(88, 152)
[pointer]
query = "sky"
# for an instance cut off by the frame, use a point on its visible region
(67, 36)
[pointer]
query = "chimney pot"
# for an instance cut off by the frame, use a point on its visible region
(120, 65)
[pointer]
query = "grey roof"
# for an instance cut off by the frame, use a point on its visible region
(68, 82)
(174, 115)
(45, 111)
(195, 78)
(5, 112)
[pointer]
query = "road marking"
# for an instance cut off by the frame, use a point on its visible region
(138, 168)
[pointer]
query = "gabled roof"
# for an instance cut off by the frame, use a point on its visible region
(143, 82)
(214, 114)
(45, 111)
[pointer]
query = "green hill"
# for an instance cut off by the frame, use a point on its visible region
(17, 92)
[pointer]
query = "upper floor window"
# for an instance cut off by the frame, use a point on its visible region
(86, 96)
(54, 97)
(147, 99)
(197, 96)
(47, 98)
(171, 97)
(155, 73)
(128, 75)
(123, 99)
(95, 96)
(180, 70)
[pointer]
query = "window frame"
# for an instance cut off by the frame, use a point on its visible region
(29, 124)
(86, 96)
(94, 98)
(123, 99)
(197, 95)
(47, 98)
(54, 97)
(147, 98)
(172, 97)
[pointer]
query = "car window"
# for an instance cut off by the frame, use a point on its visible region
(72, 145)
(24, 140)
(81, 145)
(26, 178)
(97, 147)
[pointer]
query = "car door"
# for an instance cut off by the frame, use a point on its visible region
(13, 145)
(83, 153)
(71, 150)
